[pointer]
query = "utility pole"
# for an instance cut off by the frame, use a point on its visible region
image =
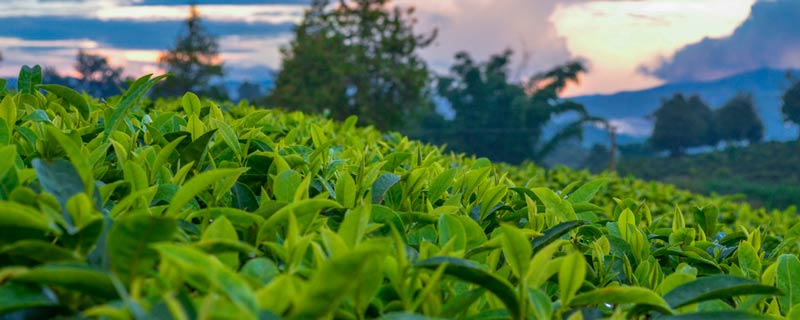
(612, 135)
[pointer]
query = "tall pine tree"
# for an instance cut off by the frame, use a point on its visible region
(193, 62)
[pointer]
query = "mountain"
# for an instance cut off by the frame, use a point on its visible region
(629, 109)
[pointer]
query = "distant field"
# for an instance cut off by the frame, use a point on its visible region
(767, 174)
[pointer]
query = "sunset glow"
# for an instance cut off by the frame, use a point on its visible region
(618, 37)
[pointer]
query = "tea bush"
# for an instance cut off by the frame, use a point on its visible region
(133, 209)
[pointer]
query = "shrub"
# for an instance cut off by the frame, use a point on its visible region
(183, 209)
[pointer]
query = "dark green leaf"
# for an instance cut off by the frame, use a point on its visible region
(587, 191)
(194, 150)
(29, 78)
(18, 296)
(714, 315)
(788, 280)
(555, 233)
(75, 277)
(70, 96)
(470, 272)
(715, 287)
(129, 243)
(382, 184)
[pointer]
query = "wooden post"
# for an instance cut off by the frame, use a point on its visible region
(612, 135)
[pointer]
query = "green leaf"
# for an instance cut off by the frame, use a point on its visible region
(727, 315)
(286, 184)
(20, 296)
(554, 234)
(197, 184)
(70, 96)
(460, 303)
(40, 251)
(194, 150)
(516, 249)
(788, 280)
(8, 111)
(346, 191)
(59, 178)
(441, 183)
(354, 226)
(199, 265)
(136, 91)
(191, 104)
(304, 211)
(73, 150)
(749, 261)
(18, 216)
(382, 184)
(470, 272)
(587, 191)
(571, 276)
(451, 229)
(554, 204)
(129, 243)
(706, 218)
(70, 276)
(715, 287)
(262, 270)
(622, 295)
(29, 78)
(333, 281)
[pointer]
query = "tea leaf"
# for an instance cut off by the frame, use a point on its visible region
(715, 287)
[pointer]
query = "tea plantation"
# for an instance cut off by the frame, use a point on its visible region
(186, 209)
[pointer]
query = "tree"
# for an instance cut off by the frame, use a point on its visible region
(504, 120)
(355, 58)
(97, 76)
(791, 104)
(194, 62)
(682, 124)
(738, 120)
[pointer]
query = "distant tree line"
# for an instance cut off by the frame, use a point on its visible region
(682, 123)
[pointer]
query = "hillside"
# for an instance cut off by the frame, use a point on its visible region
(194, 209)
(768, 174)
(767, 86)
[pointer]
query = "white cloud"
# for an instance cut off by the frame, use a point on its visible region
(619, 36)
(485, 27)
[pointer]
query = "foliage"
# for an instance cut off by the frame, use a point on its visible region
(682, 123)
(790, 108)
(192, 63)
(501, 119)
(355, 58)
(191, 209)
(737, 120)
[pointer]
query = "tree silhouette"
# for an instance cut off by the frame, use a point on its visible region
(355, 58)
(682, 123)
(738, 120)
(498, 118)
(791, 104)
(193, 62)
(97, 76)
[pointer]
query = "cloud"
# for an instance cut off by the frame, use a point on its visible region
(485, 27)
(125, 34)
(768, 38)
(228, 2)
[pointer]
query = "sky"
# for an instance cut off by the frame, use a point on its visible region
(627, 45)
